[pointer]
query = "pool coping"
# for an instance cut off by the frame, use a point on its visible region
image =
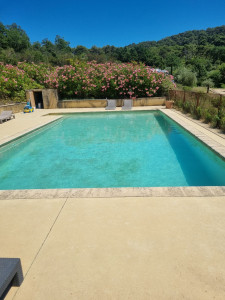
(209, 142)
(19, 135)
(190, 191)
(195, 191)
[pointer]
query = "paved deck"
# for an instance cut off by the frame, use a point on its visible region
(113, 248)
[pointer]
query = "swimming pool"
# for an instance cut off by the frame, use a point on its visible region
(113, 149)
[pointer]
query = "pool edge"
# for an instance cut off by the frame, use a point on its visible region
(27, 132)
(213, 145)
(191, 191)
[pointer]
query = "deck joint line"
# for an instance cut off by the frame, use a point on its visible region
(42, 244)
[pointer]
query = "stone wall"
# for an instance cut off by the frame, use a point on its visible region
(150, 101)
(89, 103)
(30, 97)
(15, 107)
(50, 98)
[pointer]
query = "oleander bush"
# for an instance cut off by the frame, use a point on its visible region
(14, 81)
(109, 80)
(85, 80)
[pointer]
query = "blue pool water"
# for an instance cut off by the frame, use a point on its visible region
(113, 149)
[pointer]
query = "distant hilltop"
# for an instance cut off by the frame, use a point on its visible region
(213, 36)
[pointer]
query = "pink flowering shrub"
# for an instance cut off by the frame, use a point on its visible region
(85, 80)
(14, 81)
(37, 72)
(109, 80)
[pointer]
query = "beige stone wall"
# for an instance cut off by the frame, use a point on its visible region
(50, 98)
(30, 97)
(82, 103)
(17, 107)
(149, 101)
(102, 102)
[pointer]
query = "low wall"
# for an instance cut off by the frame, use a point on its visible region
(150, 101)
(89, 103)
(15, 107)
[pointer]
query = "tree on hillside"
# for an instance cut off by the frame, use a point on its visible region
(185, 77)
(189, 51)
(48, 46)
(61, 44)
(8, 56)
(214, 75)
(49, 51)
(36, 46)
(172, 61)
(80, 50)
(17, 38)
(217, 54)
(199, 66)
(3, 37)
(222, 73)
(153, 58)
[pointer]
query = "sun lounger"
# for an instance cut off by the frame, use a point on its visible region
(111, 104)
(11, 274)
(127, 104)
(6, 115)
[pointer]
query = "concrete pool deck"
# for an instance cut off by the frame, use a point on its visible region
(111, 247)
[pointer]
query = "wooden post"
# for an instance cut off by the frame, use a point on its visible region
(184, 99)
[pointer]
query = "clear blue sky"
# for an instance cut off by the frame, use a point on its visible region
(116, 22)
